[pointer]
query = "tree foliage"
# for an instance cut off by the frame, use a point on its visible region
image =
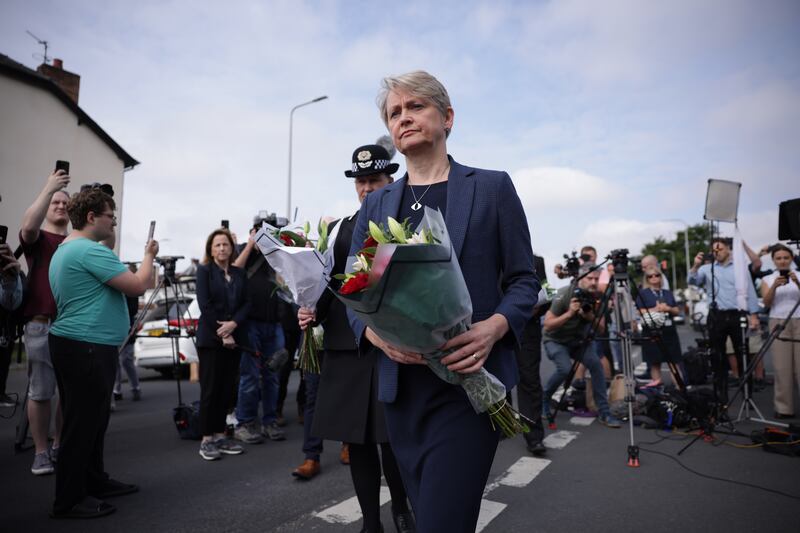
(699, 235)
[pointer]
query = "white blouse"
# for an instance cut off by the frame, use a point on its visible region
(785, 297)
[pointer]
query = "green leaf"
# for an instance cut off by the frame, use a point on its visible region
(306, 228)
(296, 239)
(377, 233)
(397, 231)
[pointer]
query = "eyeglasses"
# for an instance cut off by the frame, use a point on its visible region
(109, 215)
(653, 276)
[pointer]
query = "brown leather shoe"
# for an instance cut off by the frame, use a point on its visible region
(344, 454)
(307, 470)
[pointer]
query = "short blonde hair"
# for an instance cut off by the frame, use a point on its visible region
(419, 83)
(647, 271)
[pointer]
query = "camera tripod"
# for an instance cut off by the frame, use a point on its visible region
(618, 292)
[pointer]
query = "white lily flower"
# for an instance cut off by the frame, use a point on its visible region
(416, 238)
(361, 264)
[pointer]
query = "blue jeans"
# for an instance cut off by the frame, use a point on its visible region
(258, 383)
(312, 446)
(562, 355)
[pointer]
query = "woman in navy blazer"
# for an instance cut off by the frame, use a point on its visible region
(445, 450)
(224, 304)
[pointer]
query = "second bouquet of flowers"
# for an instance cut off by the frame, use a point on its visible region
(408, 287)
(305, 270)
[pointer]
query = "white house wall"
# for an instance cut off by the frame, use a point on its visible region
(36, 129)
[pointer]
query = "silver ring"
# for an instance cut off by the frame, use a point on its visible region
(475, 356)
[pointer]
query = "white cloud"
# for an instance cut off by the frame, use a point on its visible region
(560, 188)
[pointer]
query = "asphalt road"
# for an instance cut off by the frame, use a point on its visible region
(583, 485)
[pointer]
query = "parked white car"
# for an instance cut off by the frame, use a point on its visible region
(153, 348)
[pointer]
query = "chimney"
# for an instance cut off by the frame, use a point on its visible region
(68, 82)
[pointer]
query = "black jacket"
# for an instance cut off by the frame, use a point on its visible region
(331, 313)
(215, 305)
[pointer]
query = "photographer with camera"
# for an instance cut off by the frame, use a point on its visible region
(567, 337)
(724, 313)
(10, 299)
(263, 331)
(780, 290)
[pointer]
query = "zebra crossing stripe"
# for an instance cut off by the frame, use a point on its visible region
(559, 439)
(523, 471)
(581, 421)
(489, 510)
(349, 511)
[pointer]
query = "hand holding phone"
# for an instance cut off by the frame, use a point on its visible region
(3, 234)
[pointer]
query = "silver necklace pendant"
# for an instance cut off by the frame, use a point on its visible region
(416, 206)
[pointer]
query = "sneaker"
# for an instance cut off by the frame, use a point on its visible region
(247, 433)
(42, 465)
(7, 401)
(273, 432)
(117, 396)
(609, 420)
(209, 451)
(54, 454)
(228, 446)
(582, 412)
(280, 420)
(137, 395)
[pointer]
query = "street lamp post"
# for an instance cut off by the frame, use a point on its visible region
(685, 246)
(674, 279)
(289, 179)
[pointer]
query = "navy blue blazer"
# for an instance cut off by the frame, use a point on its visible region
(214, 305)
(490, 236)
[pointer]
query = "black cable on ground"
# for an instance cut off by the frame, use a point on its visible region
(706, 476)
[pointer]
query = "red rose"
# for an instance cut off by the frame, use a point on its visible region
(370, 242)
(286, 240)
(355, 284)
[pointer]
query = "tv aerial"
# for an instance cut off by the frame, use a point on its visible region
(45, 59)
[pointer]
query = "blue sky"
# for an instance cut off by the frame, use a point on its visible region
(610, 116)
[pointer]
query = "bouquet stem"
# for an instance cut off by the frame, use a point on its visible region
(308, 361)
(502, 415)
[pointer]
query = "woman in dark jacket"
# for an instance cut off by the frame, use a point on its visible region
(222, 295)
(656, 303)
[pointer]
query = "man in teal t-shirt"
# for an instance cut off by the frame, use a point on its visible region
(89, 284)
(88, 309)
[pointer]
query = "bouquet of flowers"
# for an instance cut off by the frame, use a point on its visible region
(305, 270)
(408, 287)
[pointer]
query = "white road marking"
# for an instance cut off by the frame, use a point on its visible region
(581, 421)
(523, 471)
(349, 511)
(489, 510)
(559, 439)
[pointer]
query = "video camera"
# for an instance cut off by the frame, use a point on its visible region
(619, 258)
(586, 298)
(270, 218)
(572, 265)
(168, 262)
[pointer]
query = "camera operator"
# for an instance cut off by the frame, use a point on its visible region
(724, 313)
(567, 336)
(10, 299)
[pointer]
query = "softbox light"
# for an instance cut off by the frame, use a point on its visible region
(722, 200)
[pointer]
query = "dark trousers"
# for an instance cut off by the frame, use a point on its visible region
(529, 389)
(312, 446)
(5, 363)
(365, 469)
(85, 375)
(218, 370)
(291, 338)
(721, 325)
(443, 448)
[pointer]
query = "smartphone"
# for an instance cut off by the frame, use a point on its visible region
(62, 165)
(225, 224)
(784, 273)
(3, 234)
(152, 230)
